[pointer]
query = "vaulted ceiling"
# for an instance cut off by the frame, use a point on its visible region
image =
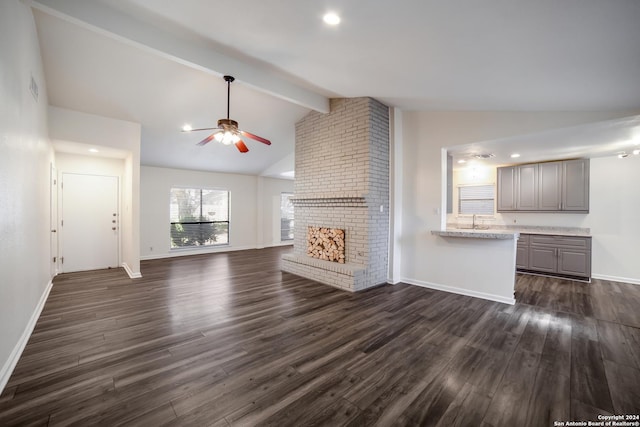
(160, 62)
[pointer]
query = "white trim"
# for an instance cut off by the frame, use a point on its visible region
(283, 243)
(460, 291)
(219, 249)
(616, 279)
(392, 282)
(130, 272)
(10, 364)
(187, 252)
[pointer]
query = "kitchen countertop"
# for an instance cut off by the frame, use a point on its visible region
(477, 234)
(509, 232)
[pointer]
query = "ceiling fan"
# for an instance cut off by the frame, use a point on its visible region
(227, 131)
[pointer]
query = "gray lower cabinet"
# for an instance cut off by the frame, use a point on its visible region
(551, 254)
(522, 252)
(543, 259)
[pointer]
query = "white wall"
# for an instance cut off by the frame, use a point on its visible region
(251, 214)
(466, 265)
(74, 126)
(90, 165)
(612, 218)
(269, 199)
(25, 159)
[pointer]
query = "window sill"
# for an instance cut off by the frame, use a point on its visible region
(191, 248)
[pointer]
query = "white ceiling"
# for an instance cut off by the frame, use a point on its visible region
(498, 55)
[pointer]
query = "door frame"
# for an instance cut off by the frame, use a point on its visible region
(53, 220)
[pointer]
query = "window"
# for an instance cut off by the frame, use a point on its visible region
(475, 199)
(199, 217)
(286, 216)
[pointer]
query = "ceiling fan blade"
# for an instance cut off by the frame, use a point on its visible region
(207, 139)
(256, 137)
(196, 130)
(242, 147)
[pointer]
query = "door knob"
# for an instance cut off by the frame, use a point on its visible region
(113, 228)
(53, 231)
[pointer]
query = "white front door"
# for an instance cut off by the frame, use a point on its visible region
(89, 223)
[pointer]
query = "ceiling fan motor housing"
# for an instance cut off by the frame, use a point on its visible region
(228, 124)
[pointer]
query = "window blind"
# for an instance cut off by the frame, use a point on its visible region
(476, 199)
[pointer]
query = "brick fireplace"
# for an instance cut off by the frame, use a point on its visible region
(342, 182)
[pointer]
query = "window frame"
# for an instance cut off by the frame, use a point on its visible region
(227, 222)
(282, 194)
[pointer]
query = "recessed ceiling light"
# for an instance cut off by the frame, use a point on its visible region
(515, 155)
(622, 155)
(636, 152)
(331, 18)
(93, 150)
(462, 161)
(187, 128)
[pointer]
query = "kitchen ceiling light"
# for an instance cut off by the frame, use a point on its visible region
(515, 155)
(484, 156)
(187, 128)
(331, 18)
(636, 152)
(622, 155)
(94, 150)
(462, 161)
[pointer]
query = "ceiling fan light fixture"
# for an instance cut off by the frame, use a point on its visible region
(229, 138)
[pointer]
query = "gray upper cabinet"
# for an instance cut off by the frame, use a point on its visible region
(575, 189)
(527, 188)
(550, 186)
(545, 187)
(507, 189)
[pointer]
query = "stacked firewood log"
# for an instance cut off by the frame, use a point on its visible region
(326, 244)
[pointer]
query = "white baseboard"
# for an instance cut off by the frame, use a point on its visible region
(616, 279)
(187, 252)
(460, 291)
(130, 272)
(10, 364)
(276, 244)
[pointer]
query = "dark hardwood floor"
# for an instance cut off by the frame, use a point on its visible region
(228, 339)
